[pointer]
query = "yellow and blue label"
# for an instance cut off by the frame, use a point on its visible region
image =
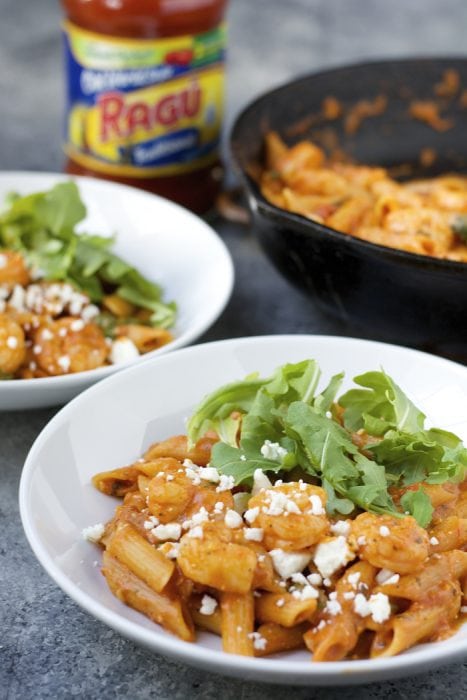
(144, 108)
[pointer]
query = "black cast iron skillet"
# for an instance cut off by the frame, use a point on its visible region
(391, 294)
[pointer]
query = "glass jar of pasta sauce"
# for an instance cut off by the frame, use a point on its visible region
(145, 83)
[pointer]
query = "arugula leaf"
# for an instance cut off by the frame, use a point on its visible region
(227, 459)
(418, 504)
(41, 227)
(382, 405)
(291, 382)
(324, 402)
(335, 457)
(434, 456)
(216, 407)
(285, 411)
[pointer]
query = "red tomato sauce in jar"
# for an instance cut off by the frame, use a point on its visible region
(145, 83)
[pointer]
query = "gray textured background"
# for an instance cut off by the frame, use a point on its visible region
(48, 647)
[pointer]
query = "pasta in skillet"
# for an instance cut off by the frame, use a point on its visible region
(268, 563)
(428, 217)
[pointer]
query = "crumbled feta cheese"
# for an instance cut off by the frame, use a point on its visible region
(316, 505)
(123, 350)
(233, 519)
(392, 580)
(306, 593)
(301, 485)
(315, 579)
(37, 349)
(342, 527)
(173, 551)
(361, 605)
(280, 602)
(384, 531)
(12, 342)
(321, 625)
(241, 501)
(219, 507)
(259, 642)
(291, 507)
(89, 312)
(169, 477)
(377, 606)
(208, 605)
(3, 260)
(255, 534)
(242, 458)
(300, 579)
(349, 595)
(209, 474)
(331, 556)
(196, 532)
(251, 514)
(226, 483)
(93, 533)
(64, 362)
(46, 334)
(192, 471)
(354, 578)
(171, 531)
(288, 563)
(260, 481)
(77, 325)
(333, 607)
(201, 516)
(279, 503)
(327, 582)
(273, 451)
(18, 298)
(384, 575)
(434, 541)
(380, 607)
(151, 522)
(463, 609)
(361, 541)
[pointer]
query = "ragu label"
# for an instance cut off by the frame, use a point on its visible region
(144, 108)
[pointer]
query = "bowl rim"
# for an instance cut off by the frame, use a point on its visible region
(278, 671)
(68, 380)
(305, 226)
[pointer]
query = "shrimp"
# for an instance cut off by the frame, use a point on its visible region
(69, 345)
(13, 269)
(12, 345)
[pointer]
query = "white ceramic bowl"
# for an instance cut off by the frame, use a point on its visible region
(112, 423)
(167, 243)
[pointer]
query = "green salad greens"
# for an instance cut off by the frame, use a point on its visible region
(42, 227)
(282, 424)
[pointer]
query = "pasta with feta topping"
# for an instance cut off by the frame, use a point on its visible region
(67, 303)
(283, 521)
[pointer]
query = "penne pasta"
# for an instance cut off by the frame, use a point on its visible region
(421, 622)
(283, 609)
(131, 549)
(167, 611)
(237, 624)
(280, 638)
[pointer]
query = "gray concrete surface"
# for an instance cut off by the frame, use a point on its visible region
(48, 647)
